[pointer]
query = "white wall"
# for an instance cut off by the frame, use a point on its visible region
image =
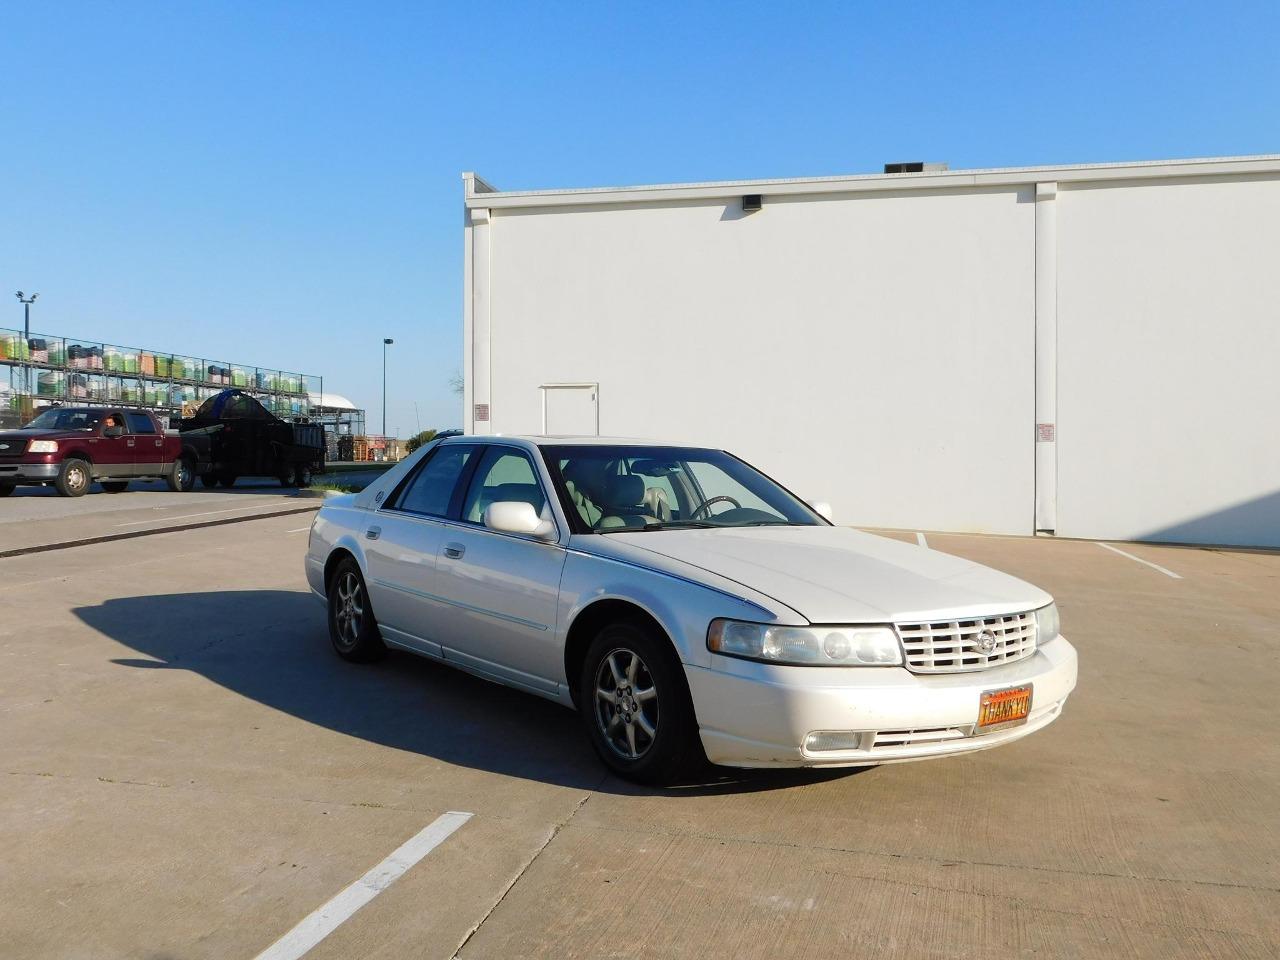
(866, 349)
(1169, 361)
(874, 343)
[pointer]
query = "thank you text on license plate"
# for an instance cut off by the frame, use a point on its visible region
(1003, 708)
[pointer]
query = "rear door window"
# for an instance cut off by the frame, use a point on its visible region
(139, 422)
(430, 490)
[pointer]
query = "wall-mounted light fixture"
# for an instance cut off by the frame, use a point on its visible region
(752, 202)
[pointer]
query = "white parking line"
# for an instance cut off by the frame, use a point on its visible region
(1153, 566)
(319, 924)
(184, 516)
(921, 540)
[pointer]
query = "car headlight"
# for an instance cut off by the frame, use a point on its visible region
(1048, 625)
(43, 446)
(839, 646)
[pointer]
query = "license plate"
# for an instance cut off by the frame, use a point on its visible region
(998, 709)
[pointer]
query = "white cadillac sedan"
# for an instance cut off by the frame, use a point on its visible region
(686, 605)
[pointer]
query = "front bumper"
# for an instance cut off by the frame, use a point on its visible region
(28, 472)
(759, 715)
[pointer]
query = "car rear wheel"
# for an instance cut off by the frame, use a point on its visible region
(115, 486)
(7, 488)
(352, 628)
(181, 476)
(73, 478)
(635, 703)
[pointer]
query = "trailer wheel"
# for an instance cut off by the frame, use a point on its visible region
(181, 476)
(302, 476)
(7, 488)
(114, 486)
(210, 480)
(227, 479)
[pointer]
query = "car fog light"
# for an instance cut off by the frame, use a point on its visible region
(829, 740)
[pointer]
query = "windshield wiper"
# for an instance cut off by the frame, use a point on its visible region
(666, 525)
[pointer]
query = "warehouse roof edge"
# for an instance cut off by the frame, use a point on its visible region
(479, 194)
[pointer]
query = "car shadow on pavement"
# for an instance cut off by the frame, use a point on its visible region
(272, 646)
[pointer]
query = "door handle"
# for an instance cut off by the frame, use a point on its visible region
(454, 551)
(129, 443)
(373, 533)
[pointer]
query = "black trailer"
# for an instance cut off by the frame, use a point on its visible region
(232, 435)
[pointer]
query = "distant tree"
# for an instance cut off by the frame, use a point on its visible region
(419, 440)
(457, 386)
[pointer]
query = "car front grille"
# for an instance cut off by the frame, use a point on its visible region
(956, 646)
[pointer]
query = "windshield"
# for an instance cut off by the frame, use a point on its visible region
(626, 488)
(67, 419)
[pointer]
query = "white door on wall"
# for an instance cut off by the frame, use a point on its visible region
(571, 409)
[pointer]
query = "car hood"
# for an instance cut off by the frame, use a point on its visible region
(835, 574)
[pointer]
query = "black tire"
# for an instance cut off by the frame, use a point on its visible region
(302, 475)
(227, 479)
(74, 477)
(7, 488)
(286, 479)
(209, 480)
(673, 749)
(115, 486)
(181, 477)
(352, 629)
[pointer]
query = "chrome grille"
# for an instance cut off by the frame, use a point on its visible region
(952, 646)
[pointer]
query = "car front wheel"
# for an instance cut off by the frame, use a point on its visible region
(635, 703)
(352, 629)
(73, 478)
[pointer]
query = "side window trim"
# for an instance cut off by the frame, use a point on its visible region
(460, 489)
(392, 503)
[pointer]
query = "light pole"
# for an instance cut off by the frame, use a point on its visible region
(386, 342)
(25, 349)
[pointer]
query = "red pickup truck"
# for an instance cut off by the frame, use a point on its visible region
(70, 447)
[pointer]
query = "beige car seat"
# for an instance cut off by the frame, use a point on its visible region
(655, 501)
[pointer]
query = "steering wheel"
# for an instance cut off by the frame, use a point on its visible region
(703, 507)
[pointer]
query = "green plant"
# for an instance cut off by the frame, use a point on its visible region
(419, 440)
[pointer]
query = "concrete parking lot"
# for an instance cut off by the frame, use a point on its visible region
(189, 772)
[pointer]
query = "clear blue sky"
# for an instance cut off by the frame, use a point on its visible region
(278, 183)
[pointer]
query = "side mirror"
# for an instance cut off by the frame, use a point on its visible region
(822, 509)
(113, 431)
(516, 516)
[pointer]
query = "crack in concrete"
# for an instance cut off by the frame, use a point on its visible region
(953, 861)
(555, 832)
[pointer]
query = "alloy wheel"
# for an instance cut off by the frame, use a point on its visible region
(626, 706)
(348, 613)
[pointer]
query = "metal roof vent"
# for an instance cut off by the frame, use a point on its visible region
(914, 166)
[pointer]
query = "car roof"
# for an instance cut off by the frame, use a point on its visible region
(563, 441)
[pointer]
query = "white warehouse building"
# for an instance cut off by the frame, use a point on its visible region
(1092, 351)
